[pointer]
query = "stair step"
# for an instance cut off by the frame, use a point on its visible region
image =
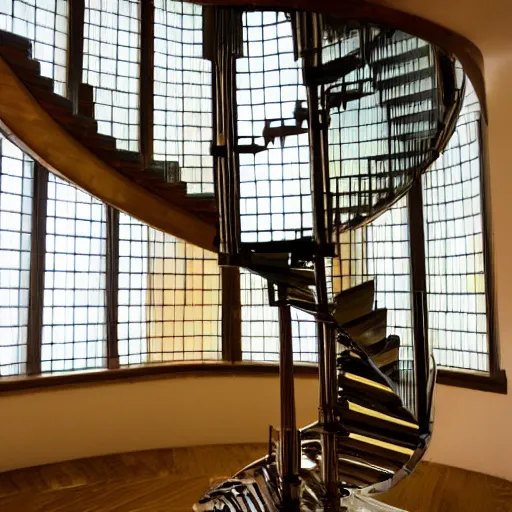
(368, 329)
(203, 202)
(332, 70)
(358, 363)
(398, 36)
(16, 42)
(426, 116)
(397, 156)
(406, 78)
(369, 450)
(365, 424)
(121, 160)
(17, 59)
(51, 98)
(354, 302)
(303, 247)
(98, 141)
(401, 58)
(423, 135)
(32, 80)
(341, 98)
(389, 343)
(417, 97)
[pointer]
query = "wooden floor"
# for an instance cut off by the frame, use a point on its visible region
(171, 480)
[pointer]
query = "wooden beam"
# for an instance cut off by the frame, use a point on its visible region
(37, 269)
(25, 122)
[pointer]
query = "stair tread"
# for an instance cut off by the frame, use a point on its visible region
(405, 78)
(14, 40)
(368, 329)
(431, 115)
(416, 97)
(332, 70)
(353, 302)
(402, 57)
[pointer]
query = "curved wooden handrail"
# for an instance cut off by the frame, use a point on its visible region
(467, 52)
(25, 122)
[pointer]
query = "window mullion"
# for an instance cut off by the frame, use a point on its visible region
(490, 295)
(37, 269)
(112, 288)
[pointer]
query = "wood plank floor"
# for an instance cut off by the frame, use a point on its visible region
(171, 480)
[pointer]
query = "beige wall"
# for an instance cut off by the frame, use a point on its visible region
(473, 429)
(55, 425)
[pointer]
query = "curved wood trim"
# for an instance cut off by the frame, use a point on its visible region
(29, 126)
(467, 52)
(468, 380)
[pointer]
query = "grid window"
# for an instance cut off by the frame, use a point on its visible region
(169, 298)
(74, 315)
(275, 188)
(183, 93)
(16, 178)
(454, 240)
(133, 290)
(260, 325)
(45, 23)
(111, 66)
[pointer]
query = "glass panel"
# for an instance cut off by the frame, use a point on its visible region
(183, 94)
(169, 298)
(16, 183)
(74, 315)
(260, 325)
(275, 189)
(454, 240)
(45, 23)
(111, 65)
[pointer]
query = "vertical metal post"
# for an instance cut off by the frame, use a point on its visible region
(289, 443)
(75, 51)
(37, 269)
(146, 83)
(419, 294)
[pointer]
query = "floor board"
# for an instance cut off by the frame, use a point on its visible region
(172, 479)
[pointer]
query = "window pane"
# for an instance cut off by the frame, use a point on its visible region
(260, 325)
(454, 236)
(183, 94)
(45, 23)
(275, 188)
(74, 323)
(16, 176)
(111, 66)
(169, 298)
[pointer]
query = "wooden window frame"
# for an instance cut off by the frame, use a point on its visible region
(495, 381)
